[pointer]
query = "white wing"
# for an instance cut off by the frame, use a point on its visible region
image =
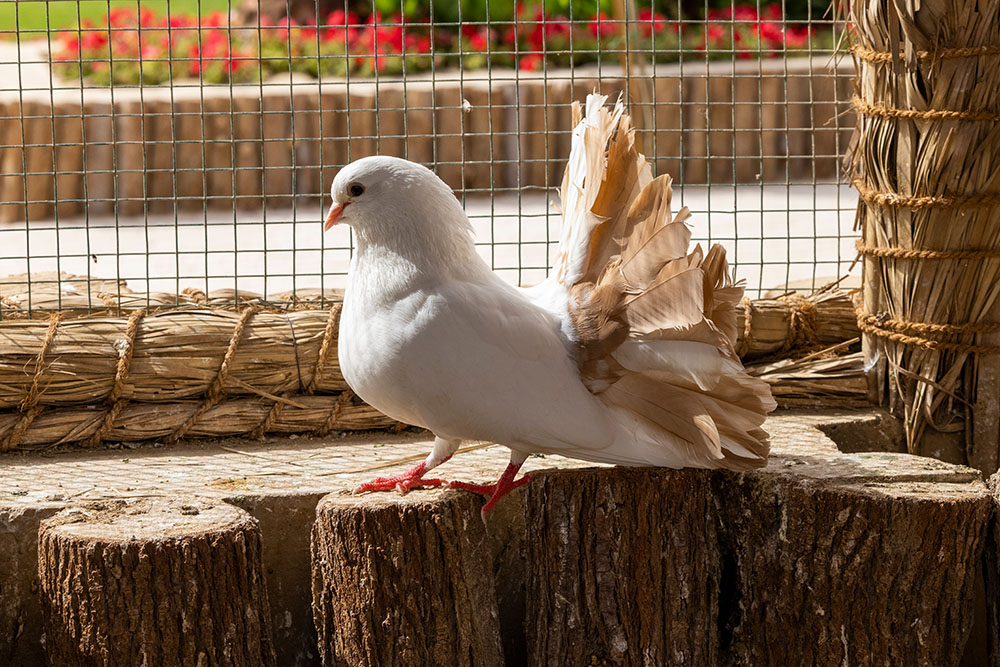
(480, 362)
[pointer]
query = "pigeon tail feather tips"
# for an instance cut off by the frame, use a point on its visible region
(654, 326)
(624, 354)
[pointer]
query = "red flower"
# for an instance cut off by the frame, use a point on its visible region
(182, 21)
(530, 62)
(650, 22)
(416, 43)
(601, 26)
(339, 27)
(148, 18)
(215, 20)
(542, 28)
(797, 37)
(478, 37)
(121, 17)
(94, 38)
(70, 44)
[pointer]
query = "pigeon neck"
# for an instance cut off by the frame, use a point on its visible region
(436, 246)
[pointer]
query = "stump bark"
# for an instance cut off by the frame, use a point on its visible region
(623, 568)
(404, 580)
(822, 559)
(154, 584)
(861, 573)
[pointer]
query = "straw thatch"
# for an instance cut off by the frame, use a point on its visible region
(830, 377)
(110, 367)
(926, 162)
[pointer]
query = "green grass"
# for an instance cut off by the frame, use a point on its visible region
(37, 15)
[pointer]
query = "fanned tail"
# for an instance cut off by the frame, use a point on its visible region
(654, 325)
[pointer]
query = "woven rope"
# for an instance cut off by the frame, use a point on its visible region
(215, 390)
(801, 322)
(744, 346)
(869, 109)
(873, 56)
(269, 419)
(338, 407)
(125, 352)
(29, 404)
(924, 201)
(915, 334)
(921, 254)
(329, 334)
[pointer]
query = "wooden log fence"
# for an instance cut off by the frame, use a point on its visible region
(151, 149)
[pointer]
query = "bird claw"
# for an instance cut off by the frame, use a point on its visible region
(493, 492)
(408, 481)
(481, 489)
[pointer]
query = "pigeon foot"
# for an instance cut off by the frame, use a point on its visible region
(409, 480)
(495, 492)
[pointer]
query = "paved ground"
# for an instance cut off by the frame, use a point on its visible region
(223, 468)
(775, 234)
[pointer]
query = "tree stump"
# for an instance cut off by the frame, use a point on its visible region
(623, 568)
(991, 579)
(820, 559)
(859, 572)
(154, 584)
(403, 580)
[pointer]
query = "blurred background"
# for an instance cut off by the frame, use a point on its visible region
(158, 147)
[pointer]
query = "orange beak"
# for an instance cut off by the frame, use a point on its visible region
(333, 217)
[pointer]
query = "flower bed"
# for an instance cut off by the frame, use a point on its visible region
(131, 47)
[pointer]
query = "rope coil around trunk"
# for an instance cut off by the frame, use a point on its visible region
(923, 254)
(874, 56)
(892, 199)
(922, 334)
(874, 109)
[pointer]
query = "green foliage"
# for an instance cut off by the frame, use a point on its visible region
(60, 14)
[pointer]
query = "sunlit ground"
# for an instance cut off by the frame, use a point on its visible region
(774, 235)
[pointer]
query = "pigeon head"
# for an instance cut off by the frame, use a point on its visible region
(369, 191)
(403, 206)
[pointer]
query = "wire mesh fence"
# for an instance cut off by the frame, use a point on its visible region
(157, 153)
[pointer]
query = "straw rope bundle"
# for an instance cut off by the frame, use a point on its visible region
(832, 376)
(926, 162)
(264, 365)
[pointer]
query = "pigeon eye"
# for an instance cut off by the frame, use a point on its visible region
(356, 189)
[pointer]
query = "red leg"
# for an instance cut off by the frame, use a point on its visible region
(504, 485)
(411, 479)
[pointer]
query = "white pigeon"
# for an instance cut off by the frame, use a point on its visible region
(624, 354)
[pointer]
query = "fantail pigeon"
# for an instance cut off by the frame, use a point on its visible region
(624, 354)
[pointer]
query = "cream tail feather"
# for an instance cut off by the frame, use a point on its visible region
(653, 326)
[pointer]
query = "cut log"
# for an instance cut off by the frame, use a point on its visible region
(823, 558)
(991, 581)
(622, 568)
(403, 580)
(859, 573)
(154, 584)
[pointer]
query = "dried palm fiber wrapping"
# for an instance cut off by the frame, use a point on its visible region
(926, 163)
(115, 365)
